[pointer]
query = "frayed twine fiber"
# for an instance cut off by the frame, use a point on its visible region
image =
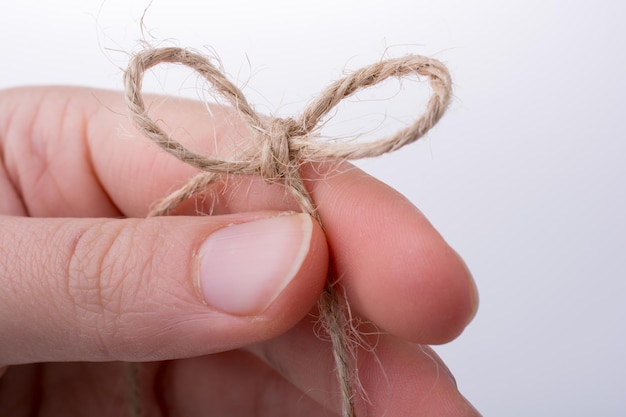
(281, 146)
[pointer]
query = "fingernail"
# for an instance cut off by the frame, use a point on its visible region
(244, 267)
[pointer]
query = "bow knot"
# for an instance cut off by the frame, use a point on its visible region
(283, 144)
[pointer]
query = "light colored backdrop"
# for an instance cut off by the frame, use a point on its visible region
(525, 176)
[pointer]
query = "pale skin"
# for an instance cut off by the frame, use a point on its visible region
(88, 283)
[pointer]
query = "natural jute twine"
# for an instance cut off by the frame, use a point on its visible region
(280, 146)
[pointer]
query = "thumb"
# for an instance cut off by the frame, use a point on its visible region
(153, 289)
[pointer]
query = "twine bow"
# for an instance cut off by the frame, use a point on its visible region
(282, 145)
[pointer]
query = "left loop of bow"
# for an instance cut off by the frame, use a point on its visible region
(272, 156)
(275, 154)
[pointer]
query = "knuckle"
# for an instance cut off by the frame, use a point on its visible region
(104, 280)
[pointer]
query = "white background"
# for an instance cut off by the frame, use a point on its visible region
(525, 176)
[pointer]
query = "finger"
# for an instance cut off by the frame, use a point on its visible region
(98, 289)
(45, 130)
(397, 270)
(395, 378)
(68, 389)
(234, 384)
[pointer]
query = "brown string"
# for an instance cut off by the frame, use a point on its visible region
(281, 146)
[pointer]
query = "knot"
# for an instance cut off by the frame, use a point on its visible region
(278, 160)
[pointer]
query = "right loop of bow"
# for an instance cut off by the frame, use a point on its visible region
(441, 85)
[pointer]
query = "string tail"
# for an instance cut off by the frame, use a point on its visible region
(333, 317)
(134, 395)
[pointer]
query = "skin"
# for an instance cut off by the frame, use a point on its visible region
(88, 283)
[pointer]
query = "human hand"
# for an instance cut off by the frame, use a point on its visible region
(217, 307)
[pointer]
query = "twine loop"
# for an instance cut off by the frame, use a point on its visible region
(281, 146)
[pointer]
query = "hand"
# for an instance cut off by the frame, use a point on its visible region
(216, 307)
